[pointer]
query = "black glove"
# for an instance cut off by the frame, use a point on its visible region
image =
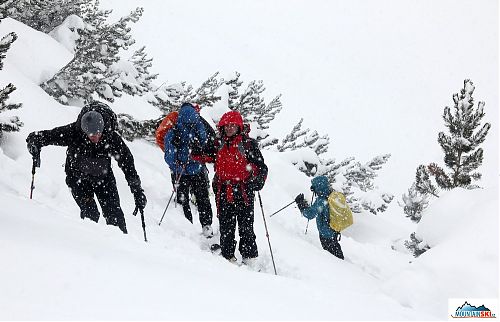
(255, 184)
(33, 143)
(301, 202)
(140, 199)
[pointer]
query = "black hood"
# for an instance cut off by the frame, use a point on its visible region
(109, 117)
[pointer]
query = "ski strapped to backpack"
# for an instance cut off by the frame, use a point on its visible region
(340, 213)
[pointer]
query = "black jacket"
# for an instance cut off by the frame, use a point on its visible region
(92, 161)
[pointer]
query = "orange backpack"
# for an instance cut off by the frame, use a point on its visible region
(165, 125)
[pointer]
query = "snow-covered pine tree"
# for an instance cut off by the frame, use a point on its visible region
(131, 129)
(44, 15)
(266, 113)
(423, 182)
(414, 203)
(170, 98)
(301, 138)
(358, 186)
(250, 100)
(415, 246)
(252, 106)
(12, 123)
(205, 94)
(234, 83)
(167, 98)
(90, 74)
(135, 77)
(462, 153)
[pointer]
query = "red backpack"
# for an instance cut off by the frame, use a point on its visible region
(168, 122)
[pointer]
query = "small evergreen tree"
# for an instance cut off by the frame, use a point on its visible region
(251, 105)
(92, 73)
(415, 246)
(234, 85)
(462, 153)
(414, 203)
(266, 113)
(134, 75)
(358, 182)
(423, 182)
(205, 94)
(302, 138)
(13, 123)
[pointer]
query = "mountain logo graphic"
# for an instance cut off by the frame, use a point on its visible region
(467, 310)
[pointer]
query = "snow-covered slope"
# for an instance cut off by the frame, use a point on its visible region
(56, 266)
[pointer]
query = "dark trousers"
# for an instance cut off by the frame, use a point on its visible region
(83, 191)
(198, 184)
(242, 214)
(332, 245)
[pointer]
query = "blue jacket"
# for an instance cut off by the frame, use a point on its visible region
(319, 209)
(192, 133)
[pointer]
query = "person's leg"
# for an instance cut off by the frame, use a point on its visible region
(108, 197)
(183, 196)
(248, 246)
(199, 187)
(227, 226)
(332, 246)
(83, 193)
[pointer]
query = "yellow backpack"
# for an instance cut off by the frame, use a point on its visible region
(340, 213)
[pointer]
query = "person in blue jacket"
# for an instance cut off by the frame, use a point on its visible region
(321, 212)
(186, 139)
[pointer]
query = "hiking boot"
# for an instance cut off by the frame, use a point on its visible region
(250, 262)
(207, 231)
(232, 260)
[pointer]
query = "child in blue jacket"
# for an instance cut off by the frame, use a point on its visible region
(321, 212)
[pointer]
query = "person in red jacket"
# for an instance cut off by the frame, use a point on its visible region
(239, 172)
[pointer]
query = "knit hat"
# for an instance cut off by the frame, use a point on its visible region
(92, 123)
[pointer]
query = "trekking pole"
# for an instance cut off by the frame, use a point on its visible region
(165, 211)
(307, 226)
(267, 233)
(143, 223)
(36, 164)
(274, 213)
(170, 199)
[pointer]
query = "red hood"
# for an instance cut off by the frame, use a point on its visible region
(231, 117)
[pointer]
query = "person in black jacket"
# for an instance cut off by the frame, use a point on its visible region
(92, 141)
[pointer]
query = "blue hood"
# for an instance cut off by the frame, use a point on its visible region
(187, 116)
(321, 186)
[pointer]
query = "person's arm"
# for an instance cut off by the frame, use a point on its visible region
(312, 211)
(259, 168)
(125, 161)
(62, 136)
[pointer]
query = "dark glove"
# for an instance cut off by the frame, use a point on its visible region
(33, 143)
(140, 199)
(255, 184)
(301, 202)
